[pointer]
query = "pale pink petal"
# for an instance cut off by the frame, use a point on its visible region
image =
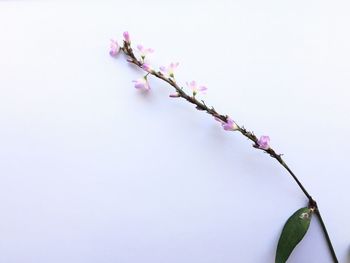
(114, 48)
(141, 84)
(126, 36)
(203, 88)
(140, 47)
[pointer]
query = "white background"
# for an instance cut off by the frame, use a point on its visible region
(91, 170)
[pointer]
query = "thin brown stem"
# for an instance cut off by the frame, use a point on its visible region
(200, 105)
(325, 232)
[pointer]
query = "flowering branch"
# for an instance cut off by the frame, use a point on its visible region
(167, 75)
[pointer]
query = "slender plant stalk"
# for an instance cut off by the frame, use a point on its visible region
(200, 105)
(325, 232)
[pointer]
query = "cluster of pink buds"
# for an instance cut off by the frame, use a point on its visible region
(115, 48)
(168, 71)
(141, 83)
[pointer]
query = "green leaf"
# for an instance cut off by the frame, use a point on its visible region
(293, 232)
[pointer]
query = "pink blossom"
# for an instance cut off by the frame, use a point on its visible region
(264, 142)
(142, 84)
(229, 125)
(126, 36)
(169, 70)
(144, 51)
(195, 88)
(114, 48)
(147, 67)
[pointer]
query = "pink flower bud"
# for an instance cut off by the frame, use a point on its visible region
(229, 125)
(114, 48)
(264, 142)
(142, 84)
(147, 67)
(126, 36)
